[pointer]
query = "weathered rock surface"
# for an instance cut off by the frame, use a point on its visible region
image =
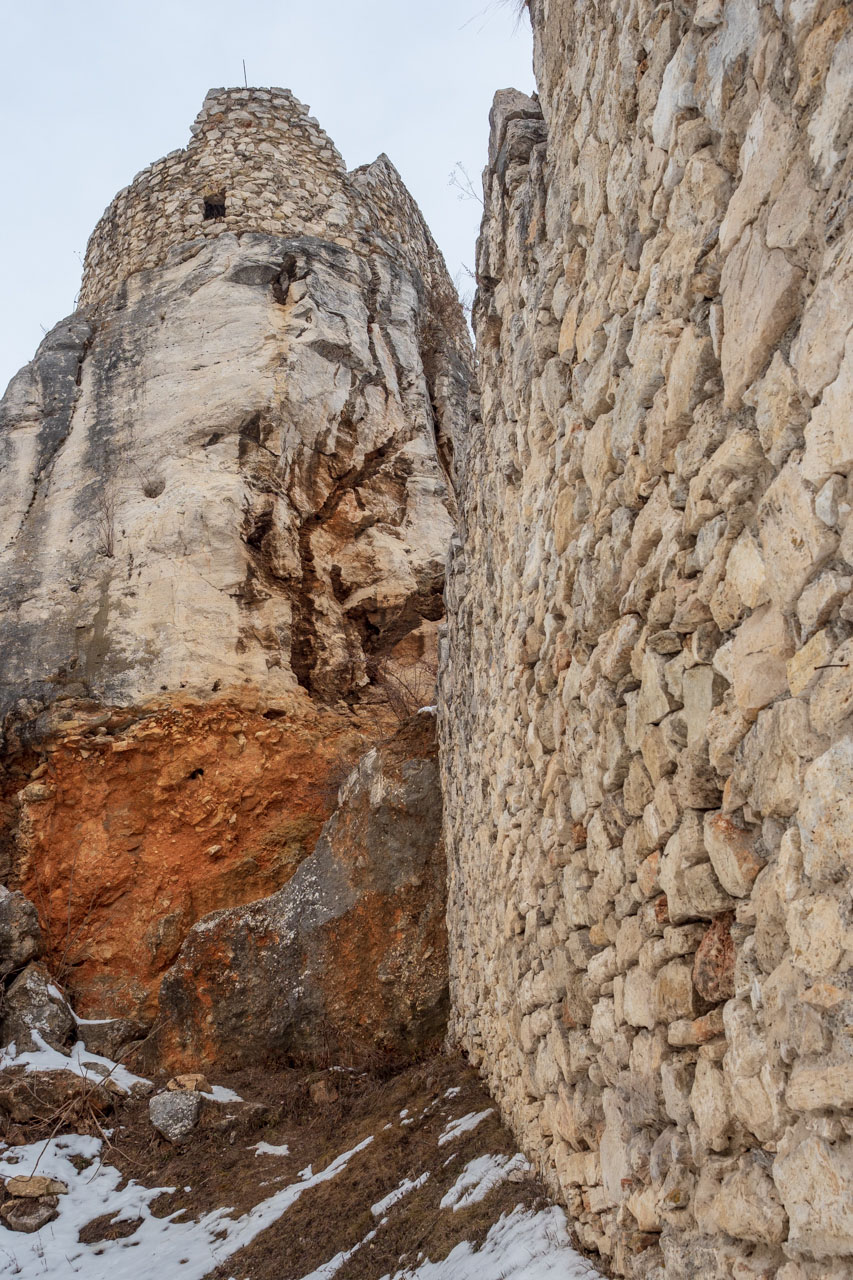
(348, 958)
(156, 817)
(34, 1010)
(29, 1215)
(224, 513)
(646, 690)
(20, 932)
(175, 1114)
(30, 1187)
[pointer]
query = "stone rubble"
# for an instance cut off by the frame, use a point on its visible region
(646, 692)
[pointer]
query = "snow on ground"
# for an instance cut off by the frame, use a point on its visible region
(479, 1177)
(407, 1185)
(219, 1093)
(169, 1246)
(526, 1244)
(81, 1062)
(265, 1149)
(463, 1125)
(522, 1245)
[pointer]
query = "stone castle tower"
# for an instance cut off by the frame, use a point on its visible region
(256, 162)
(224, 504)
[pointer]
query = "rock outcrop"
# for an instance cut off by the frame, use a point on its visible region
(224, 513)
(349, 959)
(646, 696)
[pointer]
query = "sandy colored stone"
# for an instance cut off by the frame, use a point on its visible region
(761, 647)
(795, 543)
(731, 849)
(829, 433)
(780, 412)
(29, 1215)
(760, 291)
(34, 1185)
(817, 933)
(815, 1183)
(813, 1088)
(763, 156)
(804, 666)
(709, 1100)
(825, 816)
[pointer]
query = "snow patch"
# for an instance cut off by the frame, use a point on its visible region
(521, 1245)
(407, 1185)
(80, 1062)
(463, 1125)
(481, 1176)
(182, 1248)
(265, 1149)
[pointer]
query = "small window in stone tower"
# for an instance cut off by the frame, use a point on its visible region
(214, 206)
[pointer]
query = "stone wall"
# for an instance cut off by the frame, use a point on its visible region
(646, 694)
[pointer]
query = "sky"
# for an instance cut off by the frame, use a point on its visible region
(94, 90)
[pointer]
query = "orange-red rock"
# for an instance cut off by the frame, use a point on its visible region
(146, 820)
(714, 965)
(349, 958)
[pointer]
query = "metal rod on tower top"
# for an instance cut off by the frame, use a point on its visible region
(245, 81)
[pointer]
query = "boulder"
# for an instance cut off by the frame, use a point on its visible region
(110, 1037)
(175, 1114)
(20, 932)
(35, 1007)
(348, 958)
(29, 1215)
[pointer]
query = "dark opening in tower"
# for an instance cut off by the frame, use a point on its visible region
(214, 206)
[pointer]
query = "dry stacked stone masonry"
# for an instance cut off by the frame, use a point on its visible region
(648, 686)
(256, 162)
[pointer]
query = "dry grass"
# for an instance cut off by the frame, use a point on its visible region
(220, 1165)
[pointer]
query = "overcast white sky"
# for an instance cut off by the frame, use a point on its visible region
(94, 90)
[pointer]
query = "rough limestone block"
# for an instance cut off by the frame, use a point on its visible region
(815, 1182)
(825, 816)
(761, 291)
(829, 433)
(731, 849)
(711, 1105)
(804, 667)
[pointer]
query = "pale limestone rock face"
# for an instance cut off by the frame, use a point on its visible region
(646, 688)
(227, 470)
(224, 517)
(825, 817)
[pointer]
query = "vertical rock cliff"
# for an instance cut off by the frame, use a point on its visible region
(225, 512)
(646, 693)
